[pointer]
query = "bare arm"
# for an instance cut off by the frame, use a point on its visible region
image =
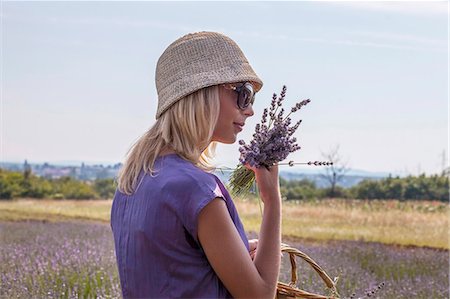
(228, 255)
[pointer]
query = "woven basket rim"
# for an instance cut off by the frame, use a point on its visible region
(290, 290)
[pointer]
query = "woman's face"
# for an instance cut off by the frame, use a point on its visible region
(231, 119)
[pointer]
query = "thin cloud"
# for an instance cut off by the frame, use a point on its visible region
(403, 38)
(415, 42)
(425, 44)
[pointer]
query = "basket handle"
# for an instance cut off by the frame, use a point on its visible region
(293, 252)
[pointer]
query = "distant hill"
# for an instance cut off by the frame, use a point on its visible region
(353, 177)
(91, 172)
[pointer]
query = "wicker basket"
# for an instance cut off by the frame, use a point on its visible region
(291, 291)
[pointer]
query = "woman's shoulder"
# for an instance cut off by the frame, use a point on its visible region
(180, 171)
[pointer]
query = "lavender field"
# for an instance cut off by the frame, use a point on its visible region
(76, 260)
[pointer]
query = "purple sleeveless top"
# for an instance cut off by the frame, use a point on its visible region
(155, 233)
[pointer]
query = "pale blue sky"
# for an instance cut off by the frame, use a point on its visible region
(78, 77)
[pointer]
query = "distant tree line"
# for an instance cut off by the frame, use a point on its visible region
(25, 184)
(422, 187)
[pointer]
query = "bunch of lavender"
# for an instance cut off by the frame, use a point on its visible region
(272, 142)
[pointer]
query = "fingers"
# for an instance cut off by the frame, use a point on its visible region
(253, 254)
(253, 243)
(250, 167)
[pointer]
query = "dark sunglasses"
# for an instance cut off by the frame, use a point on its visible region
(246, 93)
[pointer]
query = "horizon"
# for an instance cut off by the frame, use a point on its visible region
(78, 77)
(283, 168)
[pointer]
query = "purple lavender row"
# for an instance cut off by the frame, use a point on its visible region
(76, 260)
(57, 260)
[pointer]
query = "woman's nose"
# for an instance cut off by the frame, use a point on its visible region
(249, 110)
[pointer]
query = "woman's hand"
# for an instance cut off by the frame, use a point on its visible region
(253, 243)
(267, 181)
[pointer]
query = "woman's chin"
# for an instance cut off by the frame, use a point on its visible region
(229, 140)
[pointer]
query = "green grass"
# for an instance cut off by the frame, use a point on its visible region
(422, 223)
(55, 210)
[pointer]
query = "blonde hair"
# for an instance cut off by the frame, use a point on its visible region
(186, 127)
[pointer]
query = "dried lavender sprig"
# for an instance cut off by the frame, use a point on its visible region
(278, 102)
(298, 106)
(290, 163)
(315, 163)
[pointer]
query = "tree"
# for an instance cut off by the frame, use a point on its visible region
(105, 187)
(66, 187)
(10, 184)
(298, 189)
(421, 187)
(336, 171)
(368, 189)
(26, 181)
(392, 188)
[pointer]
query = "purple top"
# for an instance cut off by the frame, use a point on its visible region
(155, 233)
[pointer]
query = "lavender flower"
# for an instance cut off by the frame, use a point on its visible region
(272, 142)
(77, 260)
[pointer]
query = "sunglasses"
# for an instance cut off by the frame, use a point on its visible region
(246, 94)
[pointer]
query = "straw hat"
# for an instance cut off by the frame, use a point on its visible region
(199, 60)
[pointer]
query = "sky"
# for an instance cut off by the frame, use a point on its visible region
(77, 78)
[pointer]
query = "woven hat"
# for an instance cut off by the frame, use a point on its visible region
(198, 60)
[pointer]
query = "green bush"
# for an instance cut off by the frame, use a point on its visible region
(435, 187)
(17, 184)
(10, 184)
(338, 192)
(299, 190)
(105, 188)
(73, 189)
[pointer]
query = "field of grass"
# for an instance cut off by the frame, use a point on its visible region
(389, 222)
(54, 210)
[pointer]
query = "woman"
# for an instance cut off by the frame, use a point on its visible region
(176, 230)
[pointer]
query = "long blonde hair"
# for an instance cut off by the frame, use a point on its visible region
(186, 127)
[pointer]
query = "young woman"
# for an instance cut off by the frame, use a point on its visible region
(176, 230)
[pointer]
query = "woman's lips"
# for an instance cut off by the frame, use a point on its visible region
(239, 126)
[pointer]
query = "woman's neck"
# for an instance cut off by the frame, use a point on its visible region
(166, 151)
